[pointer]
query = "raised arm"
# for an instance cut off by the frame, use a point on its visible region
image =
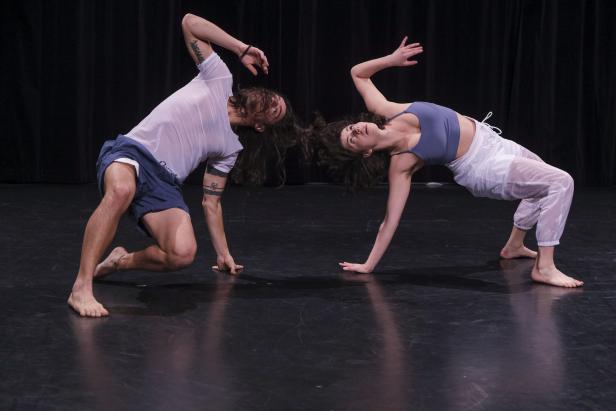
(213, 185)
(200, 33)
(400, 173)
(375, 101)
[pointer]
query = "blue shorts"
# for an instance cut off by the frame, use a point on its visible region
(157, 189)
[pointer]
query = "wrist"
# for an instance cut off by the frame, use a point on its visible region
(239, 48)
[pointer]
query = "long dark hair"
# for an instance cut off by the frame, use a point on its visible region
(264, 152)
(344, 166)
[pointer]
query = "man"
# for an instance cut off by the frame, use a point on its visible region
(143, 170)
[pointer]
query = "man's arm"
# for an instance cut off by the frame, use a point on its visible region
(200, 33)
(213, 186)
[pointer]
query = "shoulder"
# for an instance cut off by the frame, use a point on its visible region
(405, 163)
(213, 67)
(391, 109)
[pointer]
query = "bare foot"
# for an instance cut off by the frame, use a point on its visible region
(509, 252)
(110, 264)
(85, 304)
(553, 276)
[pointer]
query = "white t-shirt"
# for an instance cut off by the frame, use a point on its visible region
(192, 125)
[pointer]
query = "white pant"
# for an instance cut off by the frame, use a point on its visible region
(498, 168)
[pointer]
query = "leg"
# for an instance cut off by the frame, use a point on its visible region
(175, 249)
(515, 247)
(524, 219)
(119, 182)
(553, 190)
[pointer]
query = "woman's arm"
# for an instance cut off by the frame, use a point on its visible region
(400, 172)
(361, 73)
(199, 33)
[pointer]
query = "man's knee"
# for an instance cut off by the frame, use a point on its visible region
(119, 194)
(181, 256)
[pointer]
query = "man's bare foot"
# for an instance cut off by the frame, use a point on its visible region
(85, 304)
(553, 276)
(509, 252)
(110, 264)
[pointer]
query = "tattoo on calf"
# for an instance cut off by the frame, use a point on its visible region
(195, 48)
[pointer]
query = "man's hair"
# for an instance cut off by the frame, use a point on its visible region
(264, 152)
(345, 166)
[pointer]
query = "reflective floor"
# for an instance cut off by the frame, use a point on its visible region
(443, 324)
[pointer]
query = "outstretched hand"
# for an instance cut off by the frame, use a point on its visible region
(255, 58)
(227, 264)
(400, 56)
(358, 268)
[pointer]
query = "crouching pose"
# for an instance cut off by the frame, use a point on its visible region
(142, 171)
(420, 133)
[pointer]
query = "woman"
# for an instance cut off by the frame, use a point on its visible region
(486, 164)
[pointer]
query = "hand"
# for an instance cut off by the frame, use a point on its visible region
(227, 264)
(255, 58)
(358, 268)
(400, 57)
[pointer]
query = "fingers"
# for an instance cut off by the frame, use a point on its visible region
(264, 62)
(404, 41)
(252, 69)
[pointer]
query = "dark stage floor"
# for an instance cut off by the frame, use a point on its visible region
(442, 325)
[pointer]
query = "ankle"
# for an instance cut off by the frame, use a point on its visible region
(81, 286)
(545, 265)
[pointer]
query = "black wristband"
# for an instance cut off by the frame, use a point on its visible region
(245, 51)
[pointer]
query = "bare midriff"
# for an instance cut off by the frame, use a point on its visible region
(467, 132)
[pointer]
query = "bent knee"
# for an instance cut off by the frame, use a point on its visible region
(565, 182)
(182, 256)
(120, 193)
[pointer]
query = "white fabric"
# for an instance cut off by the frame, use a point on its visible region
(192, 124)
(498, 168)
(128, 161)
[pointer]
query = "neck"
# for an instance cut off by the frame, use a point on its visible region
(392, 141)
(235, 117)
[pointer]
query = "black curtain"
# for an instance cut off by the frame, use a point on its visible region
(75, 73)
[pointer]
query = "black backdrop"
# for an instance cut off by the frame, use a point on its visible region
(75, 73)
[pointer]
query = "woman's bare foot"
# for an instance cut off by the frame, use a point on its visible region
(553, 276)
(85, 304)
(110, 264)
(509, 252)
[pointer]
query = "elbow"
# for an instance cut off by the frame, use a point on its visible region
(187, 20)
(210, 206)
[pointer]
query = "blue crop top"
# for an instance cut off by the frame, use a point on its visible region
(440, 132)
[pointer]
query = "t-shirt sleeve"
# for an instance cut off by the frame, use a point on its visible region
(226, 161)
(213, 68)
(224, 164)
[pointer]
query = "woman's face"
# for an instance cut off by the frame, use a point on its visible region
(359, 137)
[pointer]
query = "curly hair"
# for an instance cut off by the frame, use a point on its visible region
(342, 165)
(264, 152)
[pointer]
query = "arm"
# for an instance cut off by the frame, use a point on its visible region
(375, 101)
(400, 173)
(199, 33)
(213, 185)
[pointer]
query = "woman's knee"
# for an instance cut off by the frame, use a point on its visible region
(565, 182)
(181, 256)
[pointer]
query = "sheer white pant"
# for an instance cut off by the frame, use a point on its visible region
(498, 168)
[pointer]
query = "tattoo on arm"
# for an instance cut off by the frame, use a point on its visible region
(214, 172)
(195, 48)
(212, 190)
